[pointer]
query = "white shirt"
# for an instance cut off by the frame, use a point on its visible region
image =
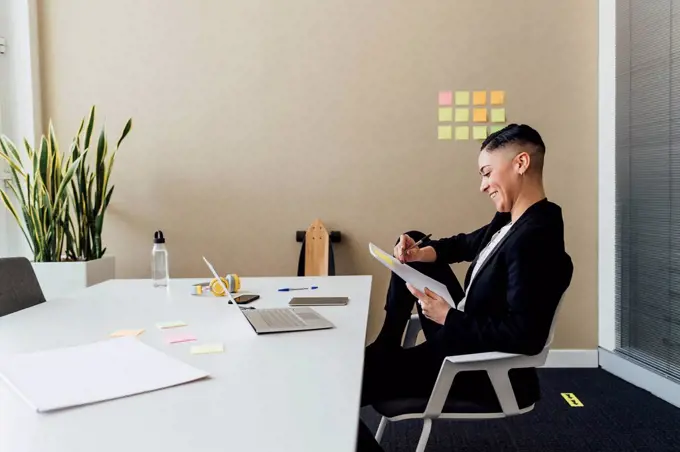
(483, 255)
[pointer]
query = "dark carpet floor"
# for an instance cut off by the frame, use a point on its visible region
(616, 416)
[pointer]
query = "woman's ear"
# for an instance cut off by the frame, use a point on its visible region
(523, 160)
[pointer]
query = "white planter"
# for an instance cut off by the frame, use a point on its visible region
(59, 279)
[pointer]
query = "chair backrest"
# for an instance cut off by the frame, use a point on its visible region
(19, 287)
(551, 336)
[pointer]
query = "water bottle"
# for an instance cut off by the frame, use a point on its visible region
(159, 261)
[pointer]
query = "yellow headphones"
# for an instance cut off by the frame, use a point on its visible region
(231, 281)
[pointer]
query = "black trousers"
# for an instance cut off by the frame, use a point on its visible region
(391, 371)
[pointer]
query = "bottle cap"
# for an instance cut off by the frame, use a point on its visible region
(158, 237)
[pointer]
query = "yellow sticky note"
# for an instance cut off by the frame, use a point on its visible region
(165, 325)
(124, 333)
(462, 97)
(383, 257)
(462, 115)
(479, 115)
(497, 97)
(479, 98)
(445, 114)
(479, 132)
(444, 132)
(498, 115)
(462, 133)
(206, 348)
(494, 129)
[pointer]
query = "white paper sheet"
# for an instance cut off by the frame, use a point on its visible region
(61, 378)
(410, 274)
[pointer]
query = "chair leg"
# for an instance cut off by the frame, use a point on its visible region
(381, 428)
(425, 435)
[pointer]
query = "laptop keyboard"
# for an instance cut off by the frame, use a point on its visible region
(277, 318)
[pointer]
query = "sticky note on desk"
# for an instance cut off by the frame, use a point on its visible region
(178, 338)
(498, 115)
(207, 348)
(125, 333)
(167, 325)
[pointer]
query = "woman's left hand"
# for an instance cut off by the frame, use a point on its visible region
(434, 307)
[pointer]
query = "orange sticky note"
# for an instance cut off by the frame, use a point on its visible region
(444, 132)
(462, 133)
(497, 97)
(478, 132)
(479, 115)
(479, 98)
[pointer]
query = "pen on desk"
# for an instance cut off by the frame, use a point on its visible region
(288, 289)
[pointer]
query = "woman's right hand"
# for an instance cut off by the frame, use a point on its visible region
(405, 251)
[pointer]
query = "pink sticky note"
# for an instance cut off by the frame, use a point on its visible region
(445, 97)
(177, 338)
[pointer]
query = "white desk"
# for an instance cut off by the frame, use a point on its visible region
(279, 392)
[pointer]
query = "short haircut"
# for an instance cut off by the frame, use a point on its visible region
(522, 135)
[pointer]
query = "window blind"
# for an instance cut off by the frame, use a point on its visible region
(648, 183)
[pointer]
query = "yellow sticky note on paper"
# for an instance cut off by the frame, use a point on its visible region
(479, 132)
(125, 333)
(462, 97)
(462, 115)
(479, 115)
(462, 133)
(479, 98)
(165, 325)
(206, 348)
(494, 129)
(498, 115)
(445, 114)
(444, 132)
(497, 97)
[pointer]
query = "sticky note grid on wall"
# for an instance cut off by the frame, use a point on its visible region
(464, 115)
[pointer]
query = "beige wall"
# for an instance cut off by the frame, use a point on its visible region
(287, 111)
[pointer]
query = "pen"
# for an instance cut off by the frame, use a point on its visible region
(417, 244)
(288, 289)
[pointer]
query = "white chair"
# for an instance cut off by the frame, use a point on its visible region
(496, 364)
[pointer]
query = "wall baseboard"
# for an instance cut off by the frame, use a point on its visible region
(661, 387)
(572, 358)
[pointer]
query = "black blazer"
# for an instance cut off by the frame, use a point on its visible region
(512, 299)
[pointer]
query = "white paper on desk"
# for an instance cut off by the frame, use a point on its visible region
(410, 274)
(67, 377)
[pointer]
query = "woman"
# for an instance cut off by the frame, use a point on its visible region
(519, 272)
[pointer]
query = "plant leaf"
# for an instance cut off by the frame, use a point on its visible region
(126, 130)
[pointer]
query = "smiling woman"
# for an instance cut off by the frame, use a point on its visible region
(519, 273)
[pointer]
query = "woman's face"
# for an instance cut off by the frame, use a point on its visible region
(501, 178)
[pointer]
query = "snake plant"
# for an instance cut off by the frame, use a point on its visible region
(62, 199)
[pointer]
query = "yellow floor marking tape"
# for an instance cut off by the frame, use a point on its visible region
(572, 400)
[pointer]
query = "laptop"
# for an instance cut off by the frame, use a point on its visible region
(277, 320)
